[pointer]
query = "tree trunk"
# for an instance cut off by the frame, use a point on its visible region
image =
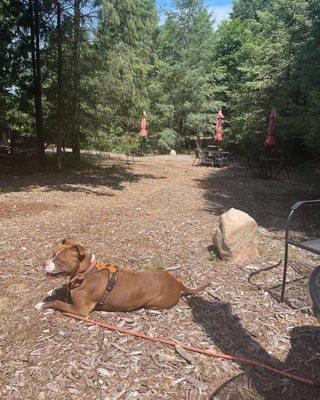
(59, 78)
(3, 125)
(36, 71)
(76, 80)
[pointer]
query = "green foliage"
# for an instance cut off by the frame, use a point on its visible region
(265, 50)
(187, 83)
(154, 266)
(123, 48)
(213, 257)
(3, 190)
(166, 141)
(181, 72)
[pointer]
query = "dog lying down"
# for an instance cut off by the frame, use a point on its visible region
(97, 286)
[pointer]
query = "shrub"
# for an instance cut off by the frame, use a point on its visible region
(166, 140)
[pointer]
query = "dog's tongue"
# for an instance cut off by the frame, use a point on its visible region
(53, 276)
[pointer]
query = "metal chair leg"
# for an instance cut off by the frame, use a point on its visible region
(284, 272)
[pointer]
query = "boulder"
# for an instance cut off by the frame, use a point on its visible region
(236, 237)
(173, 153)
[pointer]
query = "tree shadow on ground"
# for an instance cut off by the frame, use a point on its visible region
(267, 201)
(96, 180)
(224, 328)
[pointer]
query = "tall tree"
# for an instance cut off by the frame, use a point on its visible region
(59, 84)
(248, 9)
(260, 55)
(123, 51)
(37, 76)
(189, 82)
(81, 72)
(6, 35)
(76, 79)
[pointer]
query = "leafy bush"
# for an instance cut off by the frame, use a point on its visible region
(115, 140)
(166, 140)
(98, 141)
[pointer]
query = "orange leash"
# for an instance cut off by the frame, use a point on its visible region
(194, 349)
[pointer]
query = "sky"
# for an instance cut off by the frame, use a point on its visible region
(220, 8)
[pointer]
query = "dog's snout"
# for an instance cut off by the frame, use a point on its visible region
(48, 266)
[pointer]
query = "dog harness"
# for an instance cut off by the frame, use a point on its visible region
(96, 266)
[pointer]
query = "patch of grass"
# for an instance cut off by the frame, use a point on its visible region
(214, 257)
(213, 254)
(5, 380)
(263, 249)
(294, 254)
(14, 301)
(3, 190)
(153, 266)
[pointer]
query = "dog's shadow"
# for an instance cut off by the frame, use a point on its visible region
(224, 328)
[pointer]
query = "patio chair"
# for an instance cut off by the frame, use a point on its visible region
(196, 156)
(231, 159)
(311, 245)
(224, 159)
(258, 169)
(201, 157)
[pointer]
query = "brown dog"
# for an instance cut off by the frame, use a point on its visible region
(99, 286)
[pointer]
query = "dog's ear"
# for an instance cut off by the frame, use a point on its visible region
(80, 251)
(68, 242)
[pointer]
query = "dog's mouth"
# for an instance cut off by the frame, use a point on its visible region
(50, 275)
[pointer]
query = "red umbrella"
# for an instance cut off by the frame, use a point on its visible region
(218, 135)
(270, 141)
(143, 125)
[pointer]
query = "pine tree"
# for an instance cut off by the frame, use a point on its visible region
(189, 83)
(123, 51)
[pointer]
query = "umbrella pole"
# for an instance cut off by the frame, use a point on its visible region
(282, 165)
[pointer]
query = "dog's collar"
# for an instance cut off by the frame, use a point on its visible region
(95, 265)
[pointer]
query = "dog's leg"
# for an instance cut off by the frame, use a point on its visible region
(60, 293)
(78, 309)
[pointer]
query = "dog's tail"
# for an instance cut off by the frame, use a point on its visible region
(200, 289)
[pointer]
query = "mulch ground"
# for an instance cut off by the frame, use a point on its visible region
(161, 211)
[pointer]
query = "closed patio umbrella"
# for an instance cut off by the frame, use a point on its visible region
(270, 140)
(143, 125)
(218, 135)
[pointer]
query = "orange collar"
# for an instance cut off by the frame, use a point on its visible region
(98, 265)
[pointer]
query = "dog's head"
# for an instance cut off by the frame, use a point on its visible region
(68, 259)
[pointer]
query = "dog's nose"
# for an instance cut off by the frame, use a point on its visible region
(45, 263)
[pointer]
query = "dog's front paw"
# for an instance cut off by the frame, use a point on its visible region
(39, 306)
(51, 293)
(45, 311)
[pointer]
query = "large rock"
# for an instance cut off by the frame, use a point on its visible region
(236, 237)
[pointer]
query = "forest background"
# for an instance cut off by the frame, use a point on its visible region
(80, 73)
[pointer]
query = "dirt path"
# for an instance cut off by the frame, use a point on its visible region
(160, 211)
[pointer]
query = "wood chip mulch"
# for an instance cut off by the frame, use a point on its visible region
(159, 211)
